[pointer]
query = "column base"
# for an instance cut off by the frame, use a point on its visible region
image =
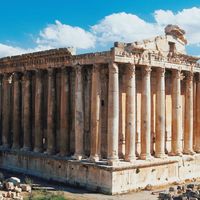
(197, 150)
(63, 154)
(49, 152)
(26, 149)
(77, 156)
(15, 147)
(188, 152)
(175, 154)
(130, 159)
(146, 157)
(94, 158)
(5, 146)
(160, 155)
(38, 150)
(113, 162)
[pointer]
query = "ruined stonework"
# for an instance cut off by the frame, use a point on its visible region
(111, 121)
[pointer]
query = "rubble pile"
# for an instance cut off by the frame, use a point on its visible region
(184, 192)
(12, 188)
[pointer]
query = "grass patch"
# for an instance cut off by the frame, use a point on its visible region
(46, 195)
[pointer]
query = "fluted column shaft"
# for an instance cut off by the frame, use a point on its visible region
(160, 114)
(64, 113)
(113, 113)
(38, 146)
(130, 135)
(197, 142)
(16, 111)
(188, 132)
(146, 114)
(79, 114)
(27, 110)
(95, 115)
(176, 113)
(51, 110)
(6, 111)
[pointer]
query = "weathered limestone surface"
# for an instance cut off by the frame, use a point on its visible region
(110, 121)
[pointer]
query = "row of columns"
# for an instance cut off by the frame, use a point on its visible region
(24, 95)
(113, 113)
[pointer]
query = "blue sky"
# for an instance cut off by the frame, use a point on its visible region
(92, 25)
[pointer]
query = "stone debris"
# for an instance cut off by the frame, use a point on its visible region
(13, 188)
(25, 188)
(188, 192)
(14, 180)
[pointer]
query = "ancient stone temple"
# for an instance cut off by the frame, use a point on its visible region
(111, 121)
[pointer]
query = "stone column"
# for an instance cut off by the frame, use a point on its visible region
(113, 113)
(79, 115)
(16, 111)
(160, 114)
(197, 142)
(95, 115)
(51, 110)
(64, 113)
(38, 146)
(27, 110)
(130, 136)
(176, 113)
(188, 133)
(6, 112)
(146, 114)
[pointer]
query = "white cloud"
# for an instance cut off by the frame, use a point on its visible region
(187, 19)
(124, 27)
(62, 35)
(6, 50)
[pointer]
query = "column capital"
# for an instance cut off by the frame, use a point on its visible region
(16, 76)
(176, 73)
(6, 76)
(38, 72)
(113, 67)
(95, 67)
(26, 75)
(131, 68)
(78, 69)
(50, 71)
(161, 71)
(189, 76)
(146, 70)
